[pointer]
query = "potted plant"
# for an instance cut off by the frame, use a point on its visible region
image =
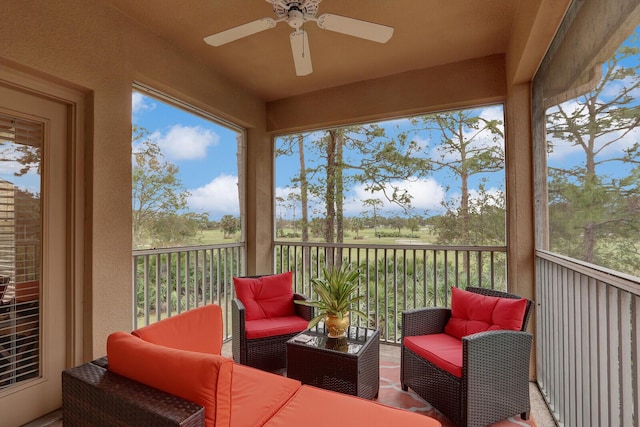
(337, 299)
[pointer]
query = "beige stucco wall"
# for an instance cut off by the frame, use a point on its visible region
(90, 45)
(463, 84)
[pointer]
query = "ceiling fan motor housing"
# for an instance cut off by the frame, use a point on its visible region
(295, 12)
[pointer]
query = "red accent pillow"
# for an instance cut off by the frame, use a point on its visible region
(201, 378)
(472, 313)
(509, 313)
(267, 296)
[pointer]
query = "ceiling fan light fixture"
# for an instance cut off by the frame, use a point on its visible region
(295, 19)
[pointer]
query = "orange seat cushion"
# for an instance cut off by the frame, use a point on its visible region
(257, 395)
(198, 329)
(442, 350)
(472, 313)
(201, 378)
(314, 407)
(263, 328)
(267, 296)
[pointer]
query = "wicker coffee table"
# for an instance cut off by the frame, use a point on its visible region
(349, 365)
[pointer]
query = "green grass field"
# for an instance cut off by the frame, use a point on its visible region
(367, 236)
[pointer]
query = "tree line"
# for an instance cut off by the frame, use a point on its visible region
(466, 146)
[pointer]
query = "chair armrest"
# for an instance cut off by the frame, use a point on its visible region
(424, 321)
(94, 396)
(238, 332)
(304, 311)
(494, 358)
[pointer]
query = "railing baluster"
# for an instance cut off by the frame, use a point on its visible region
(146, 289)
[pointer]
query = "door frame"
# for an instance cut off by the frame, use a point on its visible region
(78, 343)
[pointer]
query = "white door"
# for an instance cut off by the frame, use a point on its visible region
(33, 253)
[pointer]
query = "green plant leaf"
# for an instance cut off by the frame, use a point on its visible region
(336, 290)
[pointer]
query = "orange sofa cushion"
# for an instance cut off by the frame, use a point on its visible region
(257, 395)
(472, 313)
(201, 378)
(314, 407)
(198, 329)
(442, 350)
(262, 328)
(267, 296)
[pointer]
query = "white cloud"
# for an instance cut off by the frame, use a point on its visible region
(422, 143)
(427, 196)
(140, 103)
(186, 142)
(285, 193)
(219, 197)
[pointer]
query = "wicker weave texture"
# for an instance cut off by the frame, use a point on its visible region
(355, 374)
(495, 378)
(269, 353)
(93, 396)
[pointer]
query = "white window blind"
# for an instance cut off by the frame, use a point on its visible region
(20, 242)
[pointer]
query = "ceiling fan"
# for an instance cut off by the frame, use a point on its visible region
(296, 14)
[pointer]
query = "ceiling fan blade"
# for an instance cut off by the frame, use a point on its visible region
(355, 27)
(244, 30)
(301, 53)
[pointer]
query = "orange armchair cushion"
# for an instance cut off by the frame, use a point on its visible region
(267, 296)
(201, 378)
(198, 329)
(472, 313)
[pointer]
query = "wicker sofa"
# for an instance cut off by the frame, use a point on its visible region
(171, 373)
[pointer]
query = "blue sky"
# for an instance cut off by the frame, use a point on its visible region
(11, 165)
(204, 152)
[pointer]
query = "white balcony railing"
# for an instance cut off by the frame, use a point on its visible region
(397, 277)
(172, 280)
(394, 277)
(588, 341)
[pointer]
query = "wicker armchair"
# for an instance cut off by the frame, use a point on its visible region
(269, 352)
(495, 369)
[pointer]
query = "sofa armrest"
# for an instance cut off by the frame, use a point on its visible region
(496, 369)
(304, 311)
(424, 321)
(238, 332)
(92, 395)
